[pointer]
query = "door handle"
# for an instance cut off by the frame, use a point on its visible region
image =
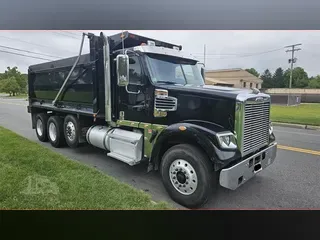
(132, 92)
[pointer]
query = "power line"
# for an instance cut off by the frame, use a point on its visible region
(65, 35)
(35, 44)
(71, 33)
(25, 55)
(211, 55)
(21, 50)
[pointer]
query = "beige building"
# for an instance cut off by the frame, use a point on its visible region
(237, 77)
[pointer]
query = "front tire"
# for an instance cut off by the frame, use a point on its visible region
(187, 175)
(55, 131)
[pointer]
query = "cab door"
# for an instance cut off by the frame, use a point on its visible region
(134, 100)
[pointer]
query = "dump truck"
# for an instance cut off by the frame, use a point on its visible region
(144, 101)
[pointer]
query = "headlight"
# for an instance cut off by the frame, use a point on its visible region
(270, 128)
(227, 140)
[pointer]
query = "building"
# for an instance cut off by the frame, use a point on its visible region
(237, 77)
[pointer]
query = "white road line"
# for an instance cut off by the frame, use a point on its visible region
(300, 133)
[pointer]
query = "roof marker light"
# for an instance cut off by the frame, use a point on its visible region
(151, 43)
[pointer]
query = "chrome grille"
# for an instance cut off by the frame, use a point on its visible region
(256, 125)
(165, 103)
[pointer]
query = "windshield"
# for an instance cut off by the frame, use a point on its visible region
(169, 69)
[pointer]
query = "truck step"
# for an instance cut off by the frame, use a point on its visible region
(127, 160)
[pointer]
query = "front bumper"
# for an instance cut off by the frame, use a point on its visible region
(235, 176)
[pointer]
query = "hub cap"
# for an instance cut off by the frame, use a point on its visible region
(183, 177)
(39, 127)
(71, 131)
(52, 131)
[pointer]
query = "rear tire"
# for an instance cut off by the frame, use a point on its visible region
(41, 126)
(55, 131)
(71, 129)
(187, 175)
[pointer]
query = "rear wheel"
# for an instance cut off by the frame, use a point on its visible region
(55, 131)
(71, 130)
(187, 175)
(41, 126)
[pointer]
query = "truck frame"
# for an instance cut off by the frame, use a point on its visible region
(145, 100)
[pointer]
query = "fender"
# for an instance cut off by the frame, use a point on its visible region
(200, 133)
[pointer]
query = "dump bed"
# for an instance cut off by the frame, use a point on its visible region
(47, 79)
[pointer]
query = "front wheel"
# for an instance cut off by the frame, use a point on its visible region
(187, 175)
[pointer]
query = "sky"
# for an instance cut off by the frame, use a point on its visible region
(224, 49)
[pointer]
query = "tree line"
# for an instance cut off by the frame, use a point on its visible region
(13, 82)
(281, 78)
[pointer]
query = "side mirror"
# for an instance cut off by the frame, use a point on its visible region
(123, 70)
(203, 74)
(202, 70)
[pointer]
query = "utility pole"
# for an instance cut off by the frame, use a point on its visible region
(204, 55)
(292, 61)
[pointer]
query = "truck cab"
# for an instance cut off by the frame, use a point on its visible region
(149, 103)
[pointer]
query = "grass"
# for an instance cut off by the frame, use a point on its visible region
(34, 177)
(308, 114)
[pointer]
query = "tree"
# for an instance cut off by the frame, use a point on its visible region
(314, 82)
(299, 78)
(253, 72)
(19, 77)
(278, 78)
(267, 79)
(10, 86)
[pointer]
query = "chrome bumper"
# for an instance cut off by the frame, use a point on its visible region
(240, 173)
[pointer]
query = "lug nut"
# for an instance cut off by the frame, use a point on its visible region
(180, 185)
(174, 177)
(184, 185)
(187, 183)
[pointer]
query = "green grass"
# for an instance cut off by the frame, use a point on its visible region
(308, 114)
(34, 177)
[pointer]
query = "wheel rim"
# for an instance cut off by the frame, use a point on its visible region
(39, 127)
(71, 131)
(183, 177)
(52, 131)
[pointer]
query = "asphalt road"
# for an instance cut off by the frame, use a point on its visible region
(293, 181)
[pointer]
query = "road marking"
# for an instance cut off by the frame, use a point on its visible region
(302, 150)
(14, 103)
(300, 133)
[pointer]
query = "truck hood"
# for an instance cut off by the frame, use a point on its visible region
(208, 90)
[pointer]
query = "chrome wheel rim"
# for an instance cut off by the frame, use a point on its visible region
(39, 127)
(71, 131)
(52, 132)
(183, 177)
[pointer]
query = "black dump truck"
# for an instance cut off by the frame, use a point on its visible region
(145, 101)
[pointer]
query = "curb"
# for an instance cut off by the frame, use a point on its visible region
(300, 126)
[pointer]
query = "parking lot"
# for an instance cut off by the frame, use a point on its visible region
(293, 181)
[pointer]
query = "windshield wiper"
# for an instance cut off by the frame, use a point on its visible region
(168, 82)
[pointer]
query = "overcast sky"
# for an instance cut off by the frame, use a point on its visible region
(225, 49)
